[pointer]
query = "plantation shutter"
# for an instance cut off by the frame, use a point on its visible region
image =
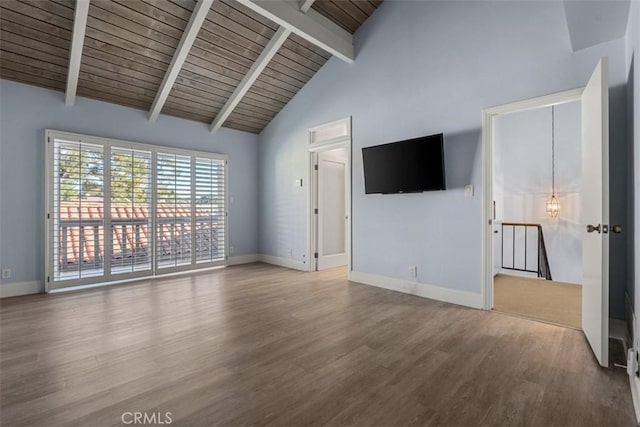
(210, 209)
(76, 234)
(118, 210)
(173, 210)
(130, 210)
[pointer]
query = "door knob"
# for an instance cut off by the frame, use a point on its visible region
(616, 229)
(591, 228)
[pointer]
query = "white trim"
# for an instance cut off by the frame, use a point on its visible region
(305, 5)
(314, 147)
(136, 279)
(108, 277)
(343, 126)
(634, 384)
(180, 55)
(311, 26)
(247, 81)
(243, 259)
(17, 289)
(488, 115)
(75, 56)
(439, 293)
(283, 262)
(48, 203)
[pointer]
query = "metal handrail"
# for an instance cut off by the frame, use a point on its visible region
(543, 269)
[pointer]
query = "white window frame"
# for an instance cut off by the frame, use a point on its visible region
(107, 143)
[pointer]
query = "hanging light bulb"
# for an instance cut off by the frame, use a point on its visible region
(553, 204)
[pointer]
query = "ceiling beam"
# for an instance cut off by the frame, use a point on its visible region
(75, 57)
(305, 5)
(180, 55)
(311, 26)
(269, 51)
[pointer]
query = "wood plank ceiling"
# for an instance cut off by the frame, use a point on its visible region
(129, 45)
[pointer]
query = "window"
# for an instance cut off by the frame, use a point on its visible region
(130, 210)
(118, 210)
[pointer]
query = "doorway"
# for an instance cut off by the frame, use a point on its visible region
(330, 196)
(331, 210)
(594, 201)
(537, 232)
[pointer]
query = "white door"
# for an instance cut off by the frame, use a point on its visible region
(595, 212)
(332, 216)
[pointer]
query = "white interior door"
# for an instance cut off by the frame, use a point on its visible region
(595, 212)
(332, 214)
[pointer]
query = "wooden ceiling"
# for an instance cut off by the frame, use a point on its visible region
(129, 45)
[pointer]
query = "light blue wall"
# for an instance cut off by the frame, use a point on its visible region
(26, 111)
(423, 68)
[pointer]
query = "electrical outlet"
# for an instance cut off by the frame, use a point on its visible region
(6, 273)
(230, 249)
(290, 252)
(413, 270)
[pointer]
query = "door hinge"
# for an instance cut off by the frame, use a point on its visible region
(49, 139)
(315, 167)
(48, 279)
(315, 255)
(48, 216)
(315, 211)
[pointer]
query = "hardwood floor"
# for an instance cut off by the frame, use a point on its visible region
(258, 344)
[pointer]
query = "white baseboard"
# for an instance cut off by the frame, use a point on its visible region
(21, 288)
(634, 383)
(284, 262)
(243, 259)
(635, 397)
(468, 299)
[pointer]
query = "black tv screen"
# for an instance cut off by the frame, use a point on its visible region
(410, 166)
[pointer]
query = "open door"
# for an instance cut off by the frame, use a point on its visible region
(332, 198)
(595, 212)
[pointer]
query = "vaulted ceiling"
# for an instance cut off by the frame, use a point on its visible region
(131, 45)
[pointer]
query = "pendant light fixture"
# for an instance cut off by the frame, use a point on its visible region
(553, 204)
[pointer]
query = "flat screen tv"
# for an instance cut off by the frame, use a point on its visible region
(410, 166)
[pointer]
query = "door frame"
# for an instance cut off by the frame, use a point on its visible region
(325, 137)
(488, 116)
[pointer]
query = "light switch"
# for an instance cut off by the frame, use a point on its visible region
(468, 191)
(299, 182)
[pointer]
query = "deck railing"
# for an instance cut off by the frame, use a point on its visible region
(81, 242)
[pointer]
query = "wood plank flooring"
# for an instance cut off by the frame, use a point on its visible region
(263, 345)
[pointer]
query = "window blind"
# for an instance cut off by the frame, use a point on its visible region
(120, 210)
(77, 235)
(173, 210)
(210, 209)
(130, 210)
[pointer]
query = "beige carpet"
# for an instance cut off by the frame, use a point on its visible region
(539, 299)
